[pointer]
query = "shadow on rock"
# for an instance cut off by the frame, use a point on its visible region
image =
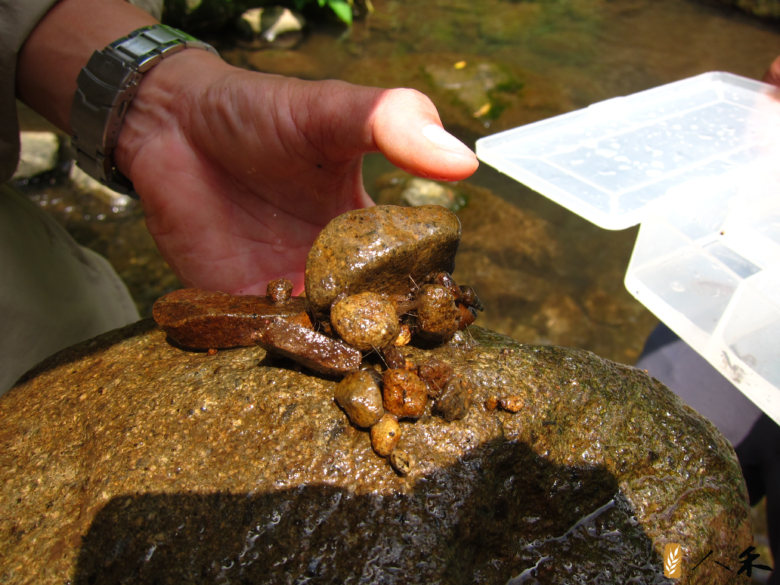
(488, 519)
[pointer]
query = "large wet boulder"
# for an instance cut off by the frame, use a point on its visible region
(127, 459)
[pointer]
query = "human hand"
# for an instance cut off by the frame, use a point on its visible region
(773, 73)
(238, 171)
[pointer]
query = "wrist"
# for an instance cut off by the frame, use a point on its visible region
(106, 89)
(164, 101)
(62, 43)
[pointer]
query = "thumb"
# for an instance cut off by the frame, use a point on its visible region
(406, 128)
(403, 124)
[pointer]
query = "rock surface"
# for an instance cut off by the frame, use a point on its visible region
(380, 249)
(126, 459)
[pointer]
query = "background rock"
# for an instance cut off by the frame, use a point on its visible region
(769, 9)
(515, 96)
(126, 458)
(39, 153)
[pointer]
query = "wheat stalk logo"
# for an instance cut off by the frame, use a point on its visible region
(672, 561)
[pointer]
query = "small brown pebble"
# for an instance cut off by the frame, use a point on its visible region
(385, 435)
(365, 321)
(467, 316)
(445, 279)
(394, 358)
(455, 401)
(470, 298)
(212, 351)
(405, 394)
(491, 403)
(511, 403)
(402, 461)
(404, 335)
(373, 372)
(279, 291)
(359, 395)
(437, 315)
(435, 373)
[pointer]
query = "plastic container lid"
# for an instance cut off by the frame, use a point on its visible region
(608, 161)
(697, 162)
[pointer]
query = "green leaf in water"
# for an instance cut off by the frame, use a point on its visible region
(342, 10)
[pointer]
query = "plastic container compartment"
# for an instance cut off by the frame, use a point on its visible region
(697, 162)
(710, 269)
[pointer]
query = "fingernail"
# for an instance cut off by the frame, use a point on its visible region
(443, 139)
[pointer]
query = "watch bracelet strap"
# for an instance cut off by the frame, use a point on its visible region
(107, 86)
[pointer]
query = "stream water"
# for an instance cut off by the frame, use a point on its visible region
(545, 275)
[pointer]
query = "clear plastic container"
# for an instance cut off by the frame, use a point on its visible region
(607, 162)
(709, 267)
(697, 162)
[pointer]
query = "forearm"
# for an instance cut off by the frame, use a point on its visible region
(61, 45)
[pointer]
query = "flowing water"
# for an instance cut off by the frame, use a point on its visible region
(491, 65)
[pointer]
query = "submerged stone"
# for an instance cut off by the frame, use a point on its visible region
(128, 459)
(383, 249)
(768, 9)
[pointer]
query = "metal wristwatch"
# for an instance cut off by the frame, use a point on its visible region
(106, 86)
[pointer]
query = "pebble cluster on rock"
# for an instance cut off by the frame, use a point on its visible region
(386, 273)
(376, 278)
(127, 459)
(379, 401)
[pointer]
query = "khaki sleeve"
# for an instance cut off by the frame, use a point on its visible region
(18, 18)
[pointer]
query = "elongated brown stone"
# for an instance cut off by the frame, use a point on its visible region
(307, 347)
(201, 319)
